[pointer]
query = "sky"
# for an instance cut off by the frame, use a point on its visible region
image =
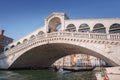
(21, 17)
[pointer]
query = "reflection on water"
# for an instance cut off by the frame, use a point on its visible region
(45, 75)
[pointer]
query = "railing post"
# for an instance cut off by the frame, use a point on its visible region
(89, 35)
(108, 36)
(46, 35)
(58, 33)
(72, 34)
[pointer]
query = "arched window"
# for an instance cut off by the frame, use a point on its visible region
(18, 43)
(114, 28)
(99, 28)
(71, 28)
(6, 49)
(25, 40)
(84, 28)
(12, 46)
(32, 37)
(54, 24)
(41, 33)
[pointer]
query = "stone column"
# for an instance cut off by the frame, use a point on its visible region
(62, 23)
(46, 25)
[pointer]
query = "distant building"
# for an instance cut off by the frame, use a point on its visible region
(65, 61)
(4, 40)
(79, 60)
(82, 60)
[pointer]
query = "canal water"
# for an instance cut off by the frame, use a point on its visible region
(45, 75)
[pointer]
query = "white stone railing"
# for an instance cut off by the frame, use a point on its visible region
(44, 38)
(81, 35)
(100, 36)
(115, 37)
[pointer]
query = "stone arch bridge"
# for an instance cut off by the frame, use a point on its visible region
(61, 36)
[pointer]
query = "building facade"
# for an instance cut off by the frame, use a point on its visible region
(79, 60)
(4, 40)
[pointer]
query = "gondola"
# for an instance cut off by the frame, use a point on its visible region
(75, 69)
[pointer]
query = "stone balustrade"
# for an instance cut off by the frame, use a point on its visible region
(115, 37)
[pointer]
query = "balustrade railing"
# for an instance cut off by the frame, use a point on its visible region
(115, 37)
(80, 35)
(66, 34)
(99, 36)
(54, 34)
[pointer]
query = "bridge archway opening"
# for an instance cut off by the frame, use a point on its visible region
(18, 43)
(45, 55)
(25, 40)
(84, 28)
(71, 28)
(33, 36)
(6, 49)
(40, 33)
(80, 60)
(114, 28)
(12, 46)
(99, 28)
(54, 25)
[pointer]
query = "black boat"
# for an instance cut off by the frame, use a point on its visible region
(75, 69)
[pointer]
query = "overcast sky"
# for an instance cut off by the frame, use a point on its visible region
(20, 17)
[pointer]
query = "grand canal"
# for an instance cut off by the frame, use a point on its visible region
(45, 75)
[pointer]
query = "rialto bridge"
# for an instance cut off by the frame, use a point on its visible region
(61, 36)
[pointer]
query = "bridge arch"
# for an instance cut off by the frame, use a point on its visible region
(18, 43)
(41, 56)
(25, 40)
(99, 28)
(71, 28)
(114, 28)
(12, 46)
(53, 24)
(33, 36)
(40, 33)
(6, 49)
(84, 28)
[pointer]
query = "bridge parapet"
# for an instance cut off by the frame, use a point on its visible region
(115, 37)
(40, 39)
(99, 36)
